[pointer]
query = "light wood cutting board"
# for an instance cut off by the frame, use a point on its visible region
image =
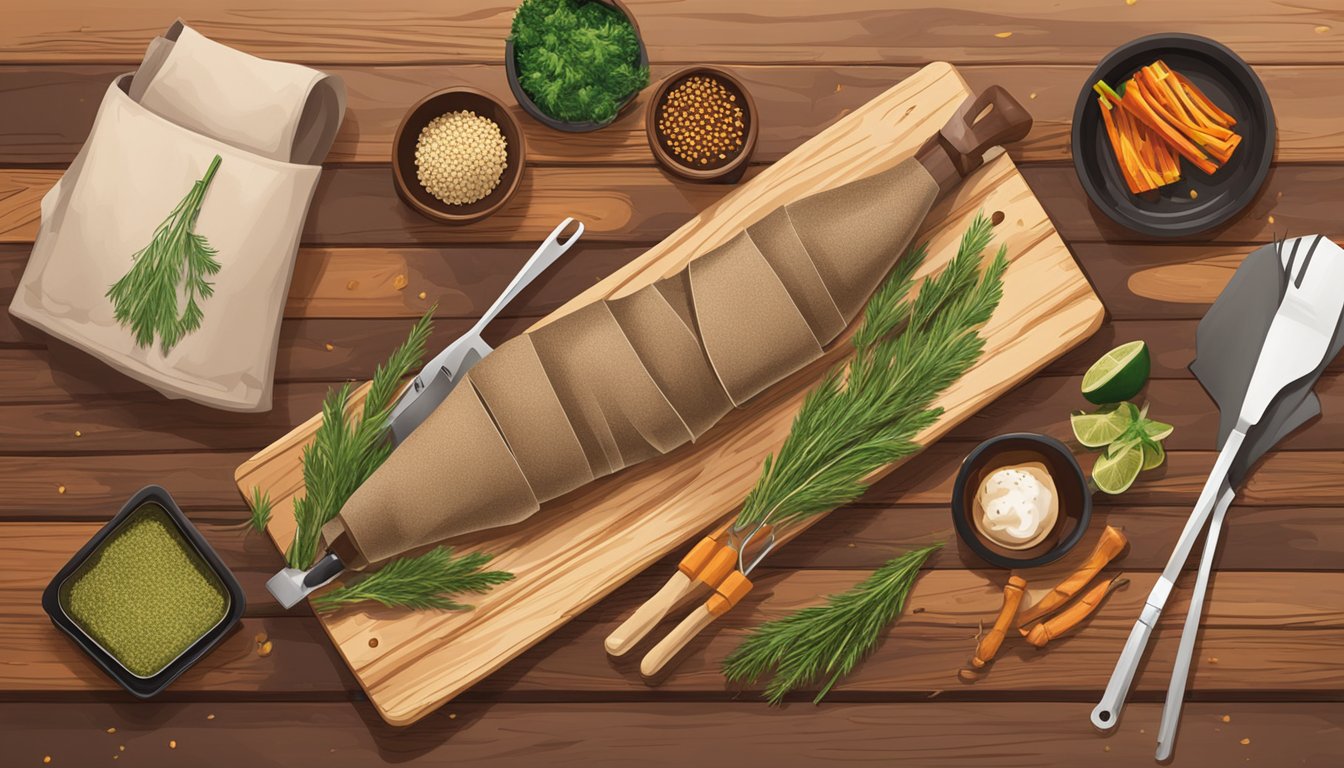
(581, 547)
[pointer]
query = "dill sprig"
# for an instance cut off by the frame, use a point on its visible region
(346, 450)
(826, 639)
(261, 509)
(419, 583)
(177, 261)
(867, 414)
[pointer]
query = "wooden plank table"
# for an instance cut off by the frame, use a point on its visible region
(76, 439)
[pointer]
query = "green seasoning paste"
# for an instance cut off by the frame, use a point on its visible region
(145, 595)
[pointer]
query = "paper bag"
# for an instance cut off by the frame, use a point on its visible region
(155, 133)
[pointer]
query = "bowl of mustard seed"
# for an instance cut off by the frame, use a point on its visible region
(458, 156)
(701, 125)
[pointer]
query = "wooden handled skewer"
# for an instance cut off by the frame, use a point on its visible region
(732, 588)
(989, 644)
(684, 583)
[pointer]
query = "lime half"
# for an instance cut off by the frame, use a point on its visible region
(1118, 375)
(1098, 430)
(1114, 473)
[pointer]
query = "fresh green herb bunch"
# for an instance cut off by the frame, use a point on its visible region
(827, 639)
(868, 414)
(344, 452)
(578, 60)
(401, 583)
(176, 261)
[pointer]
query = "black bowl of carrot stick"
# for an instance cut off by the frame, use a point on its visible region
(1173, 135)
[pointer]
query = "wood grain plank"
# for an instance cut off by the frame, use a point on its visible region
(357, 206)
(46, 110)
(671, 734)
(95, 485)
(149, 423)
(1247, 614)
(58, 373)
(692, 31)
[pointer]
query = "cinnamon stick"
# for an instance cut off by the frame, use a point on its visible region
(1110, 545)
(989, 644)
(1067, 619)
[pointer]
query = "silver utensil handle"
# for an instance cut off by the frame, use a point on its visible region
(545, 255)
(1180, 673)
(1107, 713)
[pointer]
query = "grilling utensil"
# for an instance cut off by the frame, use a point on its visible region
(429, 388)
(1223, 366)
(1298, 343)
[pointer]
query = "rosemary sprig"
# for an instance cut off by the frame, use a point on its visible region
(345, 451)
(177, 261)
(261, 509)
(826, 639)
(866, 415)
(419, 582)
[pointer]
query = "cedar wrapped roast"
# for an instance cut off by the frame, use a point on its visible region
(620, 381)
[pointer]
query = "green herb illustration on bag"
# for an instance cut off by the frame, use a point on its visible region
(175, 265)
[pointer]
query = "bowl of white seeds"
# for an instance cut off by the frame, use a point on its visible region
(458, 156)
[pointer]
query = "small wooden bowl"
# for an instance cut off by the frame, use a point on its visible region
(1075, 498)
(408, 134)
(727, 171)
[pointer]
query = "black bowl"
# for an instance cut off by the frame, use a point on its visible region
(1170, 211)
(1075, 500)
(144, 687)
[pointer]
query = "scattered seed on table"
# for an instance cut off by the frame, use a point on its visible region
(60, 489)
(352, 285)
(1245, 742)
(460, 157)
(399, 282)
(111, 730)
(330, 346)
(1227, 718)
(172, 743)
(423, 295)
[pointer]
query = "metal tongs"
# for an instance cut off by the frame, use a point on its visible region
(720, 562)
(1300, 340)
(430, 388)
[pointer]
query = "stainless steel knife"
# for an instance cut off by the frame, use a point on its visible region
(443, 373)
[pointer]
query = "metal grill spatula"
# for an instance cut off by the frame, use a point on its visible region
(1223, 364)
(1298, 340)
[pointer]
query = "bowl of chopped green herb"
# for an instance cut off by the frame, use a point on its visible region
(574, 65)
(146, 597)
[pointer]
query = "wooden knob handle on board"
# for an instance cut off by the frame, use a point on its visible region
(989, 644)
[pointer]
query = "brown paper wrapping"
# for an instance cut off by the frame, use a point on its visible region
(621, 381)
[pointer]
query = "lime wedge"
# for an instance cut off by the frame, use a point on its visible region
(1153, 455)
(1156, 430)
(1100, 429)
(1115, 472)
(1118, 375)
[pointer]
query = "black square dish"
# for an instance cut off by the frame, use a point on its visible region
(108, 577)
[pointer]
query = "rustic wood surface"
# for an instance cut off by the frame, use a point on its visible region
(578, 549)
(1268, 658)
